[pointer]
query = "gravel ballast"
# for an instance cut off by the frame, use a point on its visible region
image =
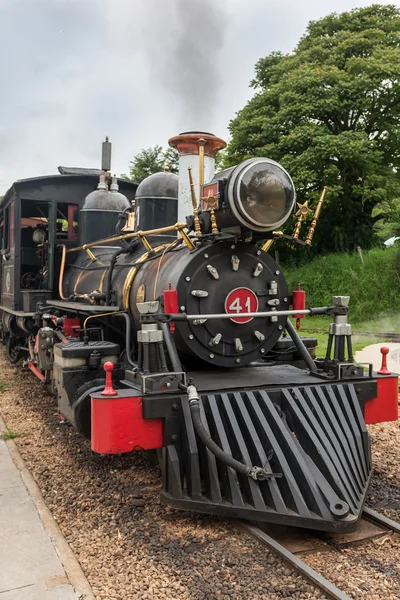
(132, 547)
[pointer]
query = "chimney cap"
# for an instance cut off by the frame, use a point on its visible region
(197, 132)
(187, 143)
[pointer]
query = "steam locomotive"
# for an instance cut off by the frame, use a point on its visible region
(156, 316)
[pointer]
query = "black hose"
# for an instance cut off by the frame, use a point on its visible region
(128, 339)
(110, 270)
(171, 348)
(256, 473)
(122, 217)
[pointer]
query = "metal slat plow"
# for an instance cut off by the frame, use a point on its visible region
(312, 440)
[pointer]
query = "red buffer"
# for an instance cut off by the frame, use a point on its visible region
(118, 425)
(385, 407)
(299, 303)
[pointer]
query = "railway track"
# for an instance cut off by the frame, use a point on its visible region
(329, 589)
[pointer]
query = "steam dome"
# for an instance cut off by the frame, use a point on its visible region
(156, 201)
(101, 210)
(159, 185)
(105, 200)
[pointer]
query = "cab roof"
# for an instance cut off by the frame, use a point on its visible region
(68, 187)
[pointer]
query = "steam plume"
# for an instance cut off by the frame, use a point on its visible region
(187, 36)
(201, 25)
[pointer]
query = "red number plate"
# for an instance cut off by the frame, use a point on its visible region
(239, 302)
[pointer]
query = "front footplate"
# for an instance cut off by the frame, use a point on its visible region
(315, 436)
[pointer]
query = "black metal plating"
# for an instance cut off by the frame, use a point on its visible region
(314, 435)
(189, 271)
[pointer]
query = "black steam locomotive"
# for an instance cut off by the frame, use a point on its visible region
(191, 317)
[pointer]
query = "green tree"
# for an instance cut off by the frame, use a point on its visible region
(330, 113)
(152, 160)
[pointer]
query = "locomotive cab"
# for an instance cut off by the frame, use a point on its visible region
(37, 216)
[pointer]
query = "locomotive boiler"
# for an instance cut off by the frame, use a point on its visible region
(168, 287)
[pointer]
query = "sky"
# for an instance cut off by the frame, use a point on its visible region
(139, 71)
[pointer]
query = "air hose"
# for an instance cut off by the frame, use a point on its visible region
(256, 473)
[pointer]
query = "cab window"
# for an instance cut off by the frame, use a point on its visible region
(67, 222)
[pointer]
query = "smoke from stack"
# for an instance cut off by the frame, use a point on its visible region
(182, 41)
(199, 38)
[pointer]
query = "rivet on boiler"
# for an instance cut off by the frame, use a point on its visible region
(199, 321)
(238, 345)
(215, 340)
(235, 262)
(257, 269)
(199, 293)
(213, 271)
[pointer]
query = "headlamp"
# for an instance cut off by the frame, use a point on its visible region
(258, 193)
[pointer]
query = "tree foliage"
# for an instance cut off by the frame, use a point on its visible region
(150, 161)
(330, 113)
(155, 159)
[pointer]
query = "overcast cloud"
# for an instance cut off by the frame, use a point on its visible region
(139, 71)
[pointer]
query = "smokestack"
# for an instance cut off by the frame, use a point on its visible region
(192, 146)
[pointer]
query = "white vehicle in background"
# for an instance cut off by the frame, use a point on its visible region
(390, 242)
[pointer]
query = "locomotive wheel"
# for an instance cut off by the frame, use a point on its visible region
(82, 405)
(14, 352)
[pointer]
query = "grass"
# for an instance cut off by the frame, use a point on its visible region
(8, 435)
(374, 288)
(3, 386)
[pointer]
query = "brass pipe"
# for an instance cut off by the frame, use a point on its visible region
(302, 215)
(127, 236)
(158, 268)
(201, 142)
(90, 254)
(61, 276)
(80, 275)
(131, 275)
(117, 312)
(316, 217)
(298, 226)
(267, 245)
(214, 225)
(186, 239)
(197, 227)
(127, 287)
(145, 243)
(102, 280)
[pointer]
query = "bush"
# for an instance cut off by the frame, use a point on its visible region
(374, 288)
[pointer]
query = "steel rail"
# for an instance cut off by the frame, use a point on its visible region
(379, 519)
(301, 567)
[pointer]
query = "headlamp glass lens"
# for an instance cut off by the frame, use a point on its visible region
(265, 194)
